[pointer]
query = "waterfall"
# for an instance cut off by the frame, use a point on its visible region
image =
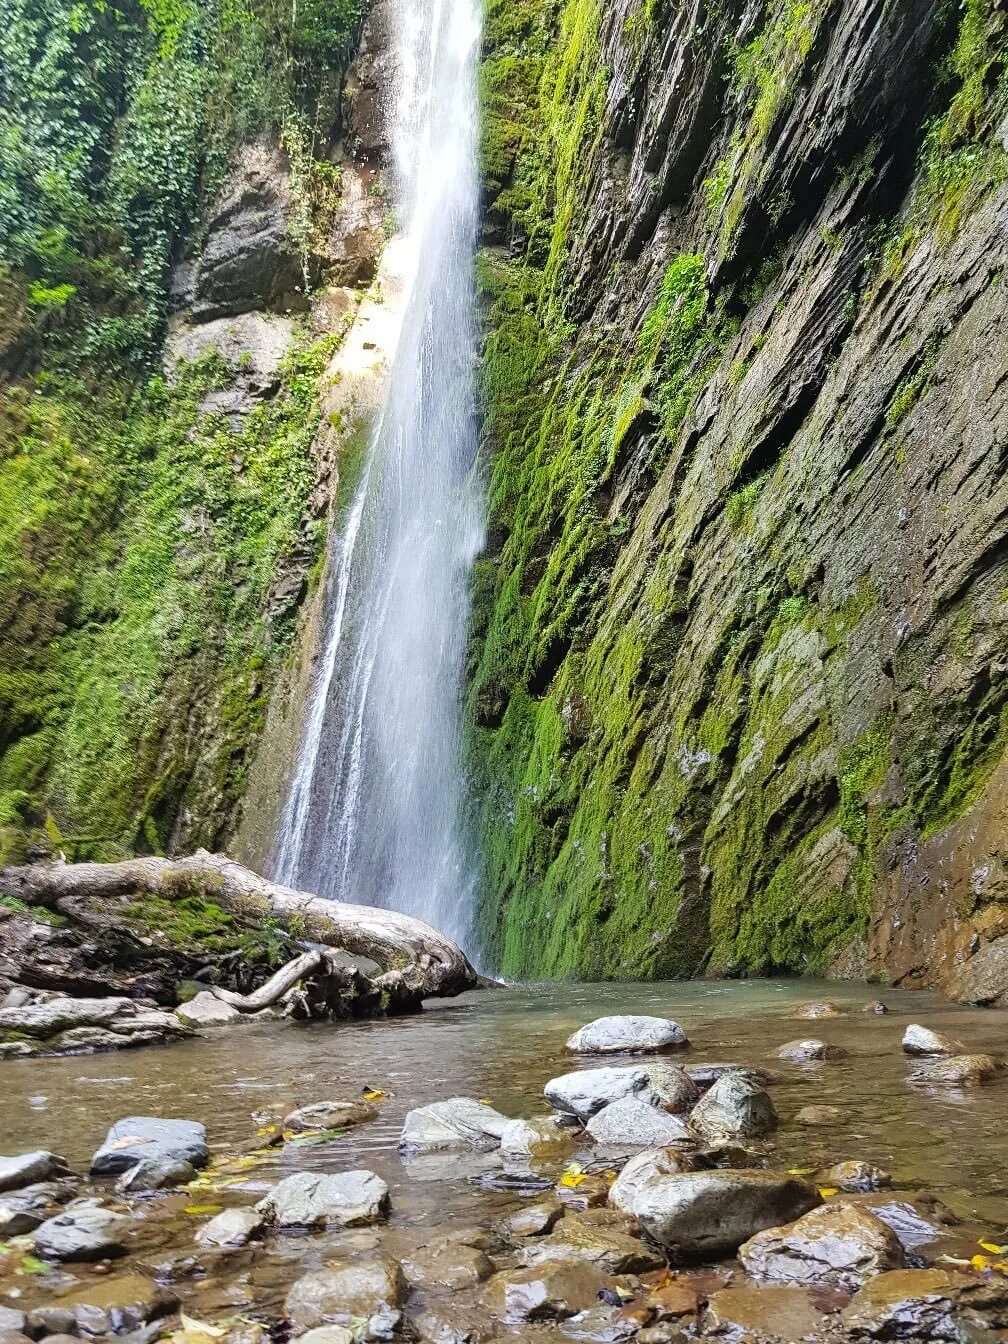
(373, 812)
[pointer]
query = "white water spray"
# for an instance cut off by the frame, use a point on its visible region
(374, 809)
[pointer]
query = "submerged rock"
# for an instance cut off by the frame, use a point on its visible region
(29, 1168)
(150, 1139)
(549, 1292)
(810, 1050)
(87, 1232)
(816, 1116)
(586, 1091)
(917, 1220)
(918, 1040)
(330, 1115)
(535, 1220)
(534, 1140)
(836, 1246)
(818, 1008)
(606, 1245)
(735, 1107)
(853, 1176)
(628, 1035)
(708, 1212)
(460, 1122)
(447, 1264)
(117, 1306)
(764, 1313)
(346, 1293)
(310, 1199)
(634, 1123)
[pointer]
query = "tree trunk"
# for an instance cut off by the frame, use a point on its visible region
(414, 960)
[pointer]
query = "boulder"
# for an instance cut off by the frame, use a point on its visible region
(803, 1051)
(642, 1172)
(64, 1025)
(758, 1314)
(628, 1035)
(23, 1210)
(709, 1212)
(156, 1172)
(904, 1304)
(330, 1115)
(230, 1229)
(310, 1199)
(735, 1107)
(633, 1123)
(821, 1116)
(675, 1090)
(836, 1246)
(586, 1091)
(706, 1075)
(854, 1176)
(549, 1292)
(918, 1040)
(457, 1123)
(12, 1321)
(206, 1010)
(29, 1169)
(956, 1071)
(539, 1140)
(85, 1232)
(984, 978)
(345, 1292)
(535, 1220)
(917, 1220)
(150, 1139)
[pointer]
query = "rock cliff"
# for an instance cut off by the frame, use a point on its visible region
(737, 686)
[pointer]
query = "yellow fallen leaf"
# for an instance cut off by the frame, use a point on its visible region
(992, 1247)
(827, 1190)
(801, 1171)
(485, 1101)
(572, 1177)
(201, 1210)
(372, 1093)
(263, 1130)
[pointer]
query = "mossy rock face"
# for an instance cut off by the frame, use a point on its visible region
(735, 635)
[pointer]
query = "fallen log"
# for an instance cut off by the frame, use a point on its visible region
(414, 961)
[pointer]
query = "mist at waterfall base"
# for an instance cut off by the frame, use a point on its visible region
(374, 811)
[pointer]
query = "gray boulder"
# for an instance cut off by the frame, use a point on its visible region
(710, 1212)
(853, 1176)
(918, 1040)
(230, 1229)
(151, 1140)
(460, 1122)
(157, 1172)
(345, 1293)
(206, 1010)
(12, 1321)
(86, 1232)
(586, 1091)
(310, 1199)
(675, 1089)
(643, 1172)
(836, 1246)
(633, 1123)
(29, 1169)
(628, 1035)
(23, 1210)
(735, 1107)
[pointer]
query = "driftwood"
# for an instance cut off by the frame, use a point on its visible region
(414, 960)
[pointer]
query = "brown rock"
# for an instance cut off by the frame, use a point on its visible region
(535, 1219)
(816, 1116)
(345, 1291)
(853, 1176)
(548, 1292)
(678, 1298)
(838, 1245)
(957, 1071)
(764, 1313)
(444, 1265)
(818, 1008)
(610, 1249)
(806, 1050)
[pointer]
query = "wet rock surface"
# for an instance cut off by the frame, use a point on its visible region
(87, 1232)
(28, 1168)
(735, 1107)
(459, 1123)
(628, 1035)
(155, 1144)
(957, 1071)
(587, 1091)
(344, 1293)
(633, 1123)
(311, 1199)
(837, 1246)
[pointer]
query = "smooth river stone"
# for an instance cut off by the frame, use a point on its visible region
(153, 1140)
(586, 1091)
(837, 1246)
(628, 1035)
(460, 1122)
(311, 1199)
(735, 1107)
(633, 1123)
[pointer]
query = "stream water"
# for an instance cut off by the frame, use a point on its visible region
(503, 1046)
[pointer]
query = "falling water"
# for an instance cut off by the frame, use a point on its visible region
(373, 813)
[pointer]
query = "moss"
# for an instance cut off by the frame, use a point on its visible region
(189, 921)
